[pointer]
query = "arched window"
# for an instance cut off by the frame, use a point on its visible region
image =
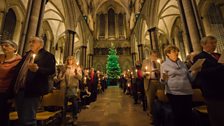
(102, 25)
(121, 24)
(9, 26)
(111, 23)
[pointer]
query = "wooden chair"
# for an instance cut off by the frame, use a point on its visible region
(54, 99)
(161, 96)
(198, 97)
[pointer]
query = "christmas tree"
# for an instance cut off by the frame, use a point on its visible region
(113, 67)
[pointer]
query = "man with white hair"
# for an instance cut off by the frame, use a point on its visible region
(31, 81)
(211, 79)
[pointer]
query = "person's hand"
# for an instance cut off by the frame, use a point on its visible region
(165, 76)
(33, 67)
(76, 72)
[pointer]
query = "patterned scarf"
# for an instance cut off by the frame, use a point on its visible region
(21, 78)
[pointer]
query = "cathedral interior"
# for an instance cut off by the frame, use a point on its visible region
(87, 28)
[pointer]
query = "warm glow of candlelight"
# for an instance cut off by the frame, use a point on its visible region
(34, 55)
(146, 68)
(136, 70)
(159, 61)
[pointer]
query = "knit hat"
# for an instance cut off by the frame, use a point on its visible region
(13, 44)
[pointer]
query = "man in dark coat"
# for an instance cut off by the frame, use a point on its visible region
(211, 80)
(31, 81)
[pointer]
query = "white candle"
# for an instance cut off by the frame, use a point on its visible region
(159, 61)
(34, 55)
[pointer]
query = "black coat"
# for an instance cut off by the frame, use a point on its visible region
(36, 83)
(211, 77)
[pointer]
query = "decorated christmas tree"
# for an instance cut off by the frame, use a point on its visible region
(113, 67)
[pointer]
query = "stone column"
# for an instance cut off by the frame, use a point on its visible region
(190, 24)
(41, 15)
(98, 26)
(69, 44)
(116, 27)
(90, 60)
(83, 56)
(207, 26)
(2, 20)
(153, 38)
(140, 52)
(133, 55)
(106, 26)
(35, 11)
(124, 25)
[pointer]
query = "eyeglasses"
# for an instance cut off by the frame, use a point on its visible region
(5, 45)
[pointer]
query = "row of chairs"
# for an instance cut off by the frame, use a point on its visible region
(163, 112)
(45, 117)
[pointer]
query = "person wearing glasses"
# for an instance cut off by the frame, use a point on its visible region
(178, 88)
(8, 60)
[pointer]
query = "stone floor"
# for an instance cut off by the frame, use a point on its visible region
(113, 108)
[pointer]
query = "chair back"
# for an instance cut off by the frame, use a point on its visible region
(55, 98)
(161, 95)
(197, 96)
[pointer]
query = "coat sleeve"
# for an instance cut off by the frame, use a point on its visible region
(49, 65)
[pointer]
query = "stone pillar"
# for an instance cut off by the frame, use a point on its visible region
(106, 26)
(83, 56)
(116, 27)
(140, 52)
(133, 55)
(33, 22)
(207, 26)
(90, 60)
(2, 20)
(124, 25)
(153, 38)
(41, 15)
(190, 24)
(69, 44)
(98, 26)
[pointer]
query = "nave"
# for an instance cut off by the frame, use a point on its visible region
(113, 108)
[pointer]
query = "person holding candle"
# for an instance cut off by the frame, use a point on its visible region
(31, 80)
(151, 73)
(71, 77)
(8, 60)
(177, 80)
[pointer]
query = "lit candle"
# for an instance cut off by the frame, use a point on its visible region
(77, 63)
(136, 70)
(84, 80)
(159, 61)
(34, 55)
(146, 68)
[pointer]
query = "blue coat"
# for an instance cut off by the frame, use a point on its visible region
(178, 78)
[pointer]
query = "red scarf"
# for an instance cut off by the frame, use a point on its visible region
(139, 73)
(92, 76)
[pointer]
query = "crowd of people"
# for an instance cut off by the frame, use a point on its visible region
(177, 79)
(26, 79)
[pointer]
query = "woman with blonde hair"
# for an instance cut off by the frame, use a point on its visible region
(72, 75)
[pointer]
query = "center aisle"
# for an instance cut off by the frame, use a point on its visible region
(113, 108)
